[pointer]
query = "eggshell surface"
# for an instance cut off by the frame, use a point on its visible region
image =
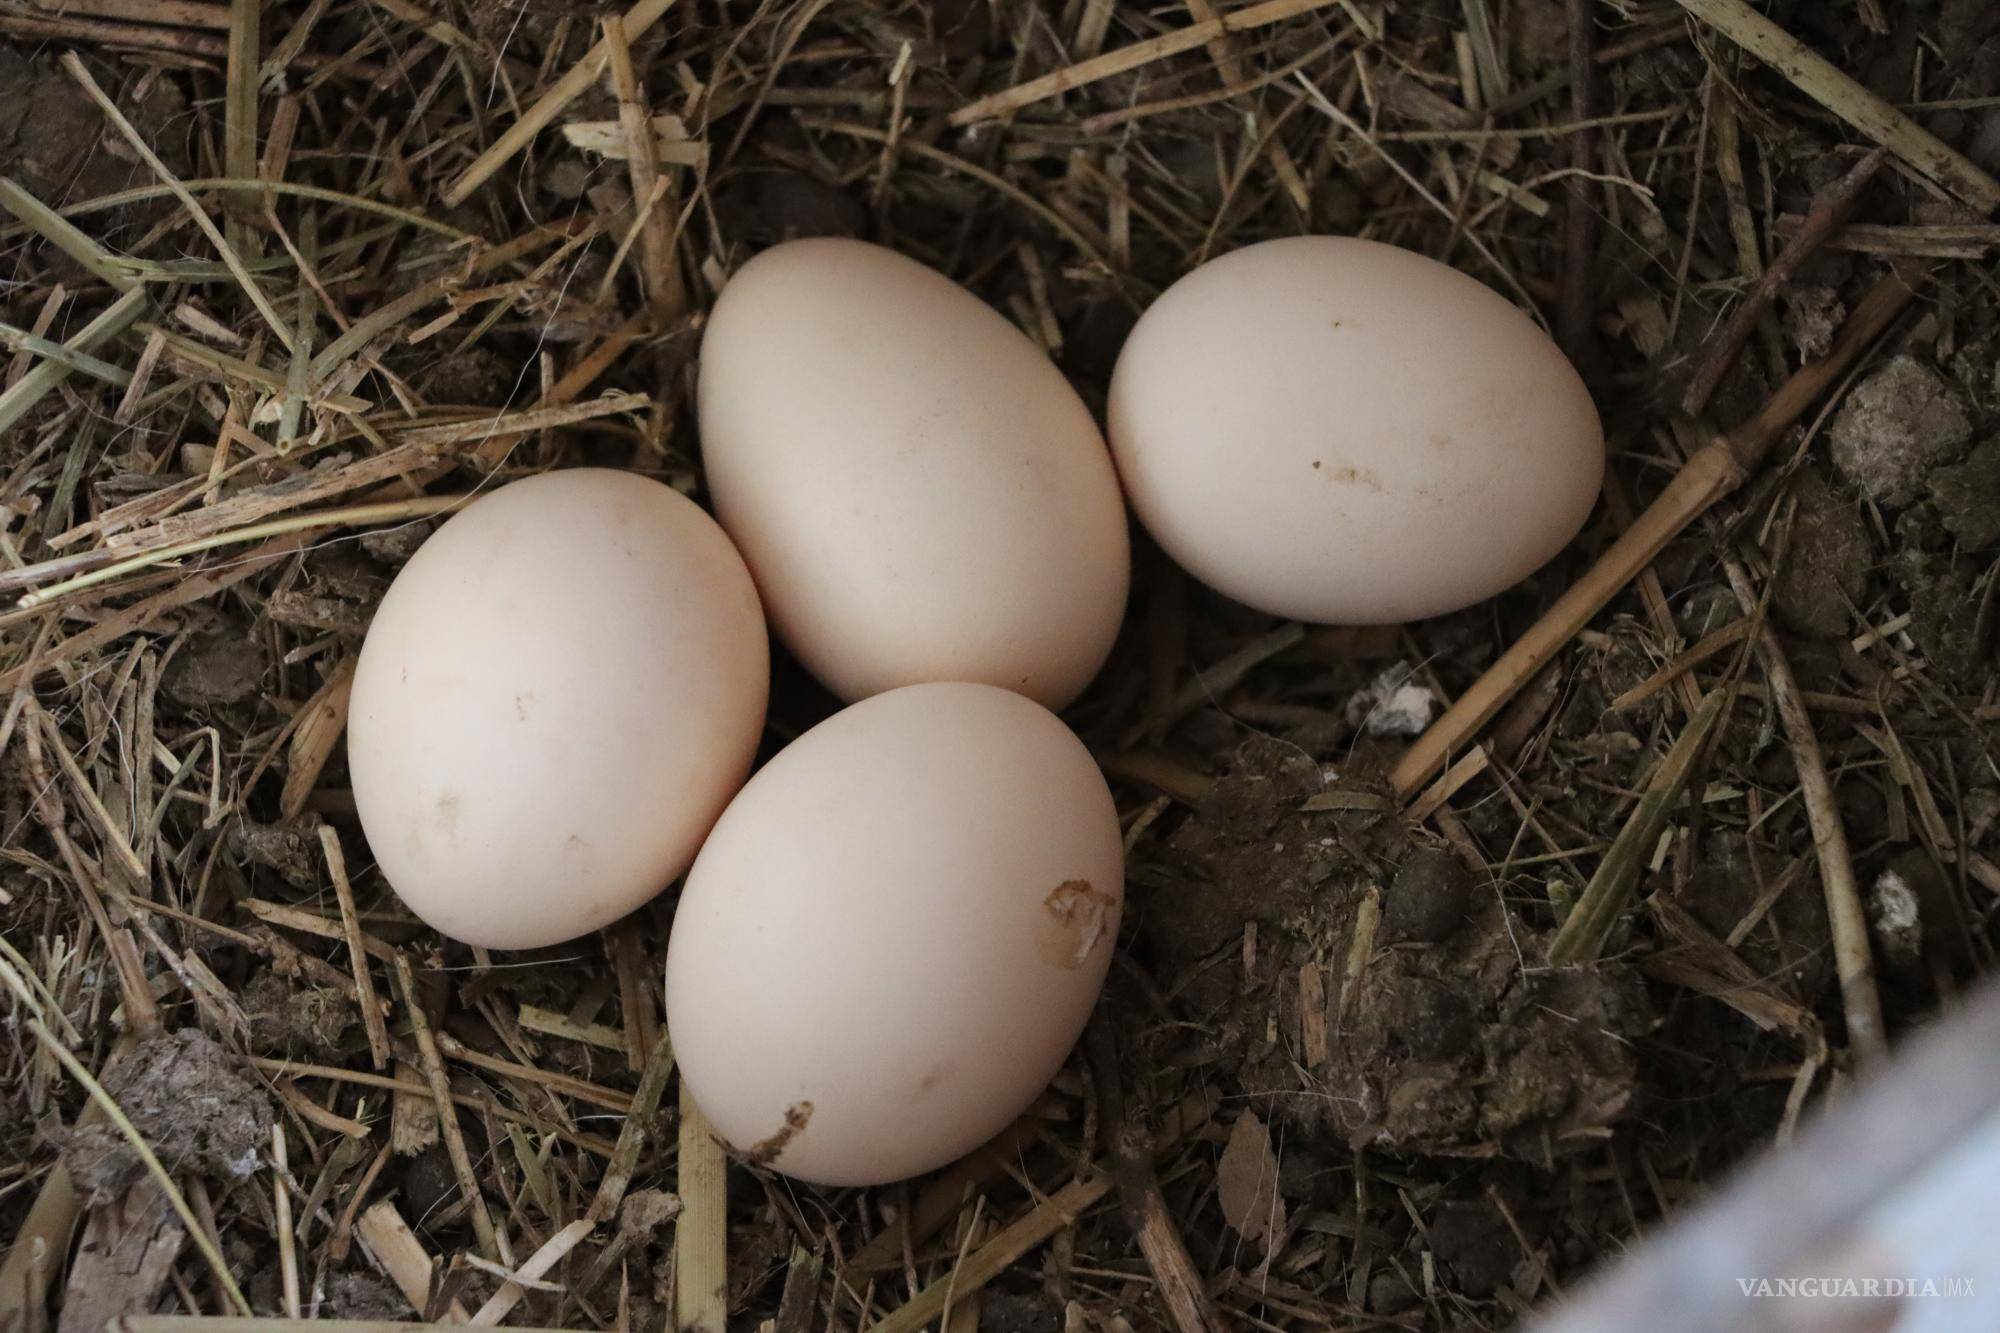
(895, 934)
(560, 692)
(919, 492)
(1341, 431)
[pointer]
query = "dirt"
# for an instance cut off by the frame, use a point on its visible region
(289, 1018)
(1447, 1034)
(359, 1295)
(1895, 427)
(1967, 495)
(1812, 313)
(191, 1103)
(1826, 568)
(214, 668)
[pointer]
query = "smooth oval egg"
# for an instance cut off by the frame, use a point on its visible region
(895, 933)
(919, 492)
(558, 695)
(1341, 431)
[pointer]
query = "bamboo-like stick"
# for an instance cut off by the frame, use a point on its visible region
(701, 1236)
(454, 1138)
(350, 921)
(1818, 78)
(1860, 1002)
(1830, 210)
(1710, 474)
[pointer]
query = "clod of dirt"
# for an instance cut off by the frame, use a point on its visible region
(395, 545)
(1968, 497)
(354, 1295)
(292, 849)
(1942, 620)
(184, 1095)
(55, 141)
(214, 669)
(1389, 1292)
(1896, 426)
(1427, 900)
(1459, 1038)
(1475, 1246)
(1006, 1312)
(294, 1020)
(1826, 570)
(1812, 314)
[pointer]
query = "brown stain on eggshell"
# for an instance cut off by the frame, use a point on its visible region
(1076, 916)
(765, 1151)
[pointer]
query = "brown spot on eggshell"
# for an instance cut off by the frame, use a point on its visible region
(447, 811)
(1356, 476)
(933, 1077)
(766, 1150)
(1076, 918)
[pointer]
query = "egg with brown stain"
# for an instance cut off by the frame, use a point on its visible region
(895, 934)
(558, 695)
(919, 492)
(1341, 431)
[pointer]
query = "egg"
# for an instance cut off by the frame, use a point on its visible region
(895, 934)
(918, 491)
(560, 692)
(1341, 431)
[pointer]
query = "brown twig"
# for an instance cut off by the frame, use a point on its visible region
(1130, 1149)
(1831, 208)
(1710, 474)
(1573, 322)
(1816, 77)
(1860, 1001)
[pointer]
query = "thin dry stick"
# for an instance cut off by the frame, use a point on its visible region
(1588, 926)
(1859, 1000)
(701, 1237)
(1131, 57)
(1830, 209)
(1579, 212)
(637, 21)
(350, 920)
(638, 1130)
(454, 1139)
(1178, 1280)
(1710, 474)
(388, 512)
(552, 1252)
(74, 64)
(1816, 77)
(21, 396)
(663, 288)
(239, 111)
(997, 1255)
(281, 1208)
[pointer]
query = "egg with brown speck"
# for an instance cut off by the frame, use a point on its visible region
(1341, 431)
(558, 695)
(895, 934)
